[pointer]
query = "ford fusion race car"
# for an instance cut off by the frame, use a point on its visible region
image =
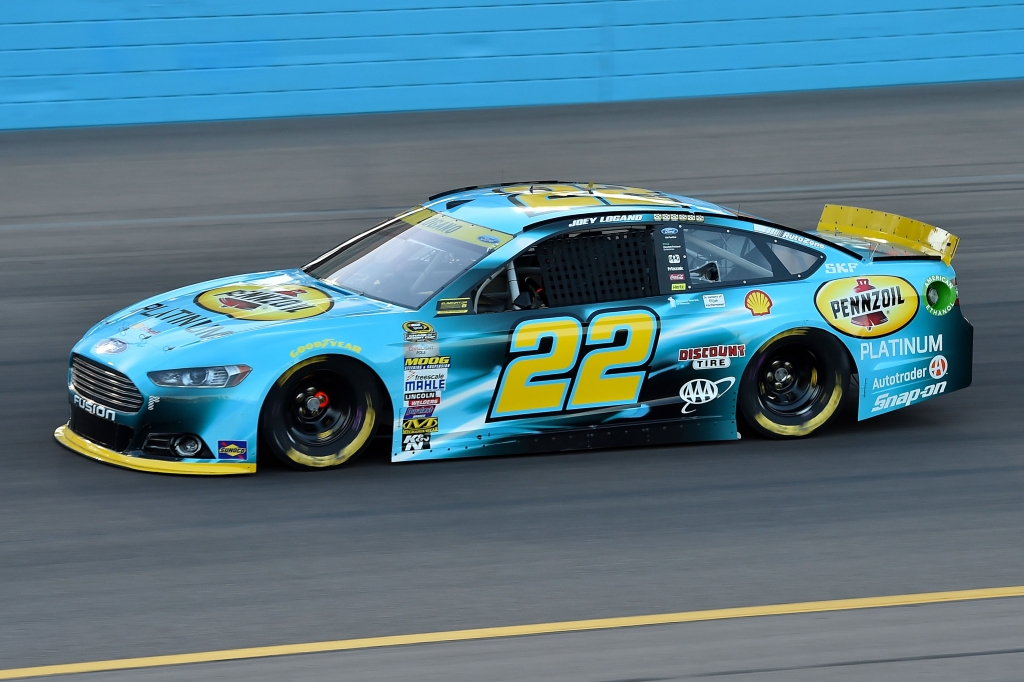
(524, 317)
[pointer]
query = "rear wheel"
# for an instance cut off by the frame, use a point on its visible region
(795, 384)
(321, 413)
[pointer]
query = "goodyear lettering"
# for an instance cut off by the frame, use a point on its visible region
(894, 348)
(326, 343)
(886, 401)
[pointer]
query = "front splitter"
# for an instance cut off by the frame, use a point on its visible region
(72, 441)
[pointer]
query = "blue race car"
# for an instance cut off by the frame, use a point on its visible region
(523, 317)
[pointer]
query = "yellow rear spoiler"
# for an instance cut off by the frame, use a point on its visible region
(863, 222)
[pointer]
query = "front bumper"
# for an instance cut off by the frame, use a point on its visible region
(71, 440)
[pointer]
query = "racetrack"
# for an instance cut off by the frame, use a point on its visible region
(97, 562)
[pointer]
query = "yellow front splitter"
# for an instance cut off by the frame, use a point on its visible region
(72, 441)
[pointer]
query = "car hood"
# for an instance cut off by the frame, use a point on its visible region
(224, 308)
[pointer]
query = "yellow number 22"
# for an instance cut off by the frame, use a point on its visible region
(523, 391)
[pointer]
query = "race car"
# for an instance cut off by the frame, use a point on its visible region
(528, 317)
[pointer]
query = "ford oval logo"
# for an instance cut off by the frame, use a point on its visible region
(488, 239)
(669, 230)
(110, 346)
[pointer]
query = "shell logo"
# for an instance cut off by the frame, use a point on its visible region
(259, 302)
(868, 306)
(758, 303)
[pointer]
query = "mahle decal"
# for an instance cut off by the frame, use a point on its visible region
(266, 303)
(867, 307)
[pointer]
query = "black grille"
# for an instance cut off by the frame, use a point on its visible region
(101, 431)
(594, 268)
(104, 385)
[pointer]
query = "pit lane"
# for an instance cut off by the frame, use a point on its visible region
(101, 563)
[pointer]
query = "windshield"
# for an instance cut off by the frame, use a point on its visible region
(410, 259)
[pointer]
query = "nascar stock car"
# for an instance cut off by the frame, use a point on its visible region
(528, 317)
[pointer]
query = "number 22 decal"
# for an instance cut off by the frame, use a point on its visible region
(537, 382)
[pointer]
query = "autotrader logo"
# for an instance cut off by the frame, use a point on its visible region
(702, 391)
(938, 367)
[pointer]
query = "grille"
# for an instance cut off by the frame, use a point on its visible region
(593, 268)
(104, 385)
(101, 431)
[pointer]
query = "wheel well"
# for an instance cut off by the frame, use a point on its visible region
(854, 371)
(386, 419)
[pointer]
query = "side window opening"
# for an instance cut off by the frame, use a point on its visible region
(574, 269)
(721, 256)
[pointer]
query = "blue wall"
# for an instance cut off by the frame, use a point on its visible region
(90, 62)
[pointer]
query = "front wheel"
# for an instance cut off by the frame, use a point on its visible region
(795, 384)
(321, 413)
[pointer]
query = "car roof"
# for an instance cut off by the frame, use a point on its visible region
(513, 207)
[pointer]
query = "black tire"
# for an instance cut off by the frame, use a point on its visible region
(795, 384)
(336, 429)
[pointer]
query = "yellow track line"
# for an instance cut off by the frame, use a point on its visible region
(514, 631)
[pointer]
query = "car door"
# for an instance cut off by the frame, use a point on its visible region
(572, 355)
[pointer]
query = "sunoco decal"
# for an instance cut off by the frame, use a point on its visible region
(266, 303)
(867, 307)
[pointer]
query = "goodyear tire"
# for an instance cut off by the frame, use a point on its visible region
(321, 413)
(795, 384)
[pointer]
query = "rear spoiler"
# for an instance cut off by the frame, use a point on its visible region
(913, 234)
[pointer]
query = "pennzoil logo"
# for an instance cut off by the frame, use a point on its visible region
(266, 303)
(419, 425)
(868, 306)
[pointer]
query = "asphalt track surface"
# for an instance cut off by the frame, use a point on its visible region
(99, 563)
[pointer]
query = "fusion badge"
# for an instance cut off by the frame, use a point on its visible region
(266, 303)
(867, 307)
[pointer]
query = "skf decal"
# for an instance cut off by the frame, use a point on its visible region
(867, 307)
(443, 361)
(758, 303)
(232, 449)
(266, 303)
(416, 332)
(419, 425)
(326, 343)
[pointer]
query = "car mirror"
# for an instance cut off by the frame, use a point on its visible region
(707, 272)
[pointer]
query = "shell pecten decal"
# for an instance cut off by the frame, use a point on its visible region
(261, 302)
(868, 306)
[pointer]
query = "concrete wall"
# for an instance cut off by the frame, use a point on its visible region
(94, 62)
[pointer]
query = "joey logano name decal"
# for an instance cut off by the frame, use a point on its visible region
(868, 306)
(266, 303)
